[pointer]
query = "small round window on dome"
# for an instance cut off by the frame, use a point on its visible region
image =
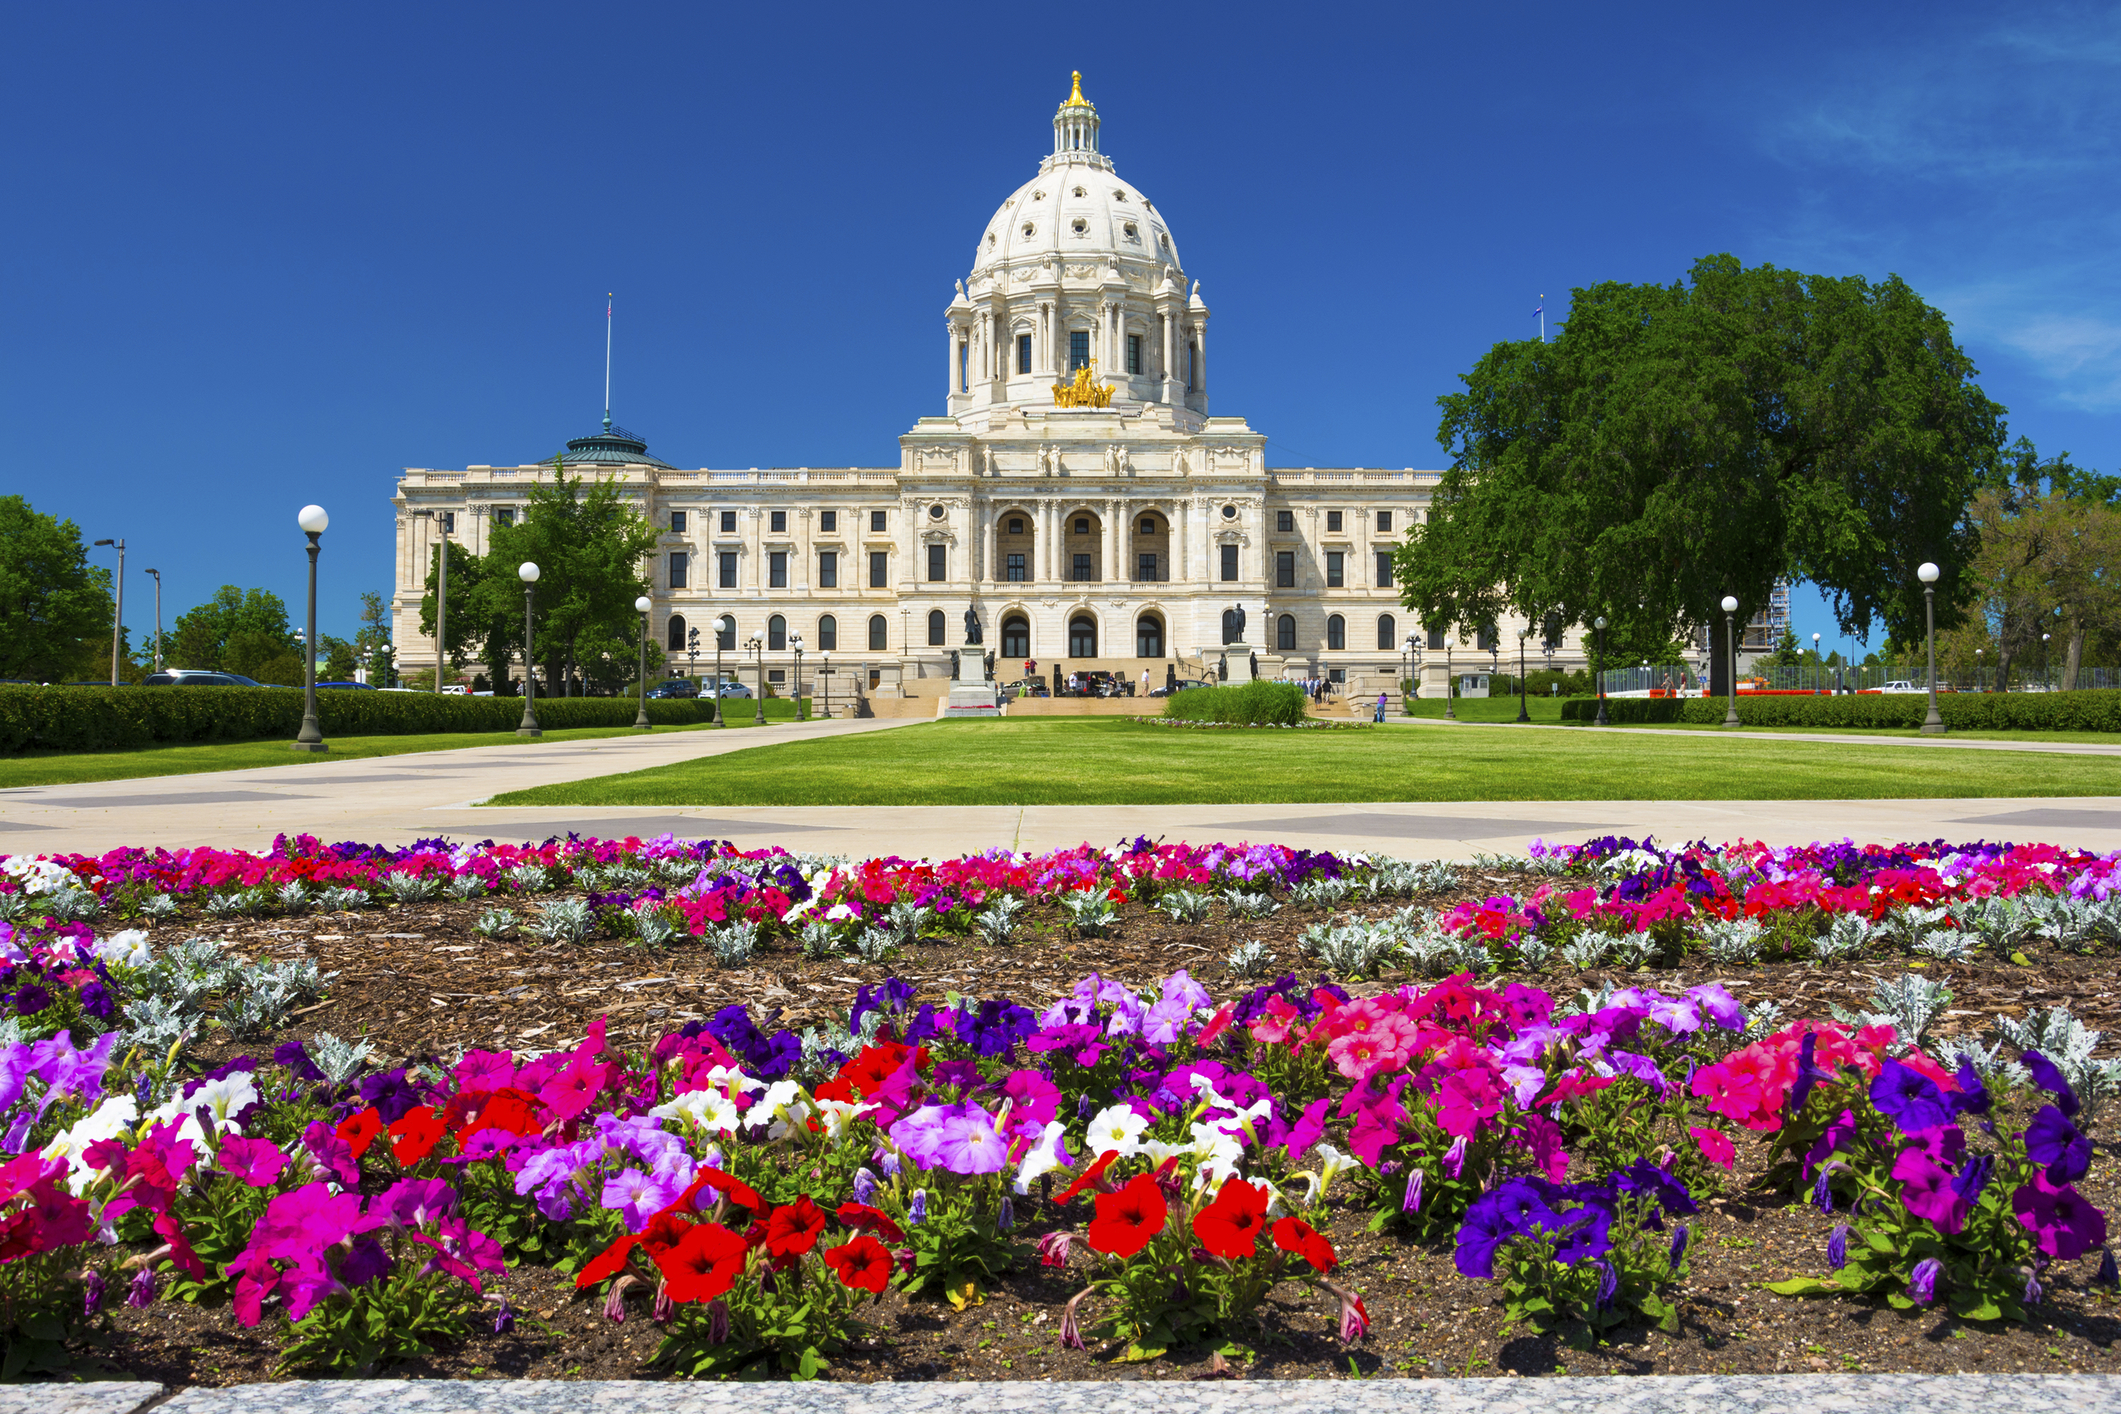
(1229, 513)
(990, 238)
(1132, 234)
(1119, 196)
(935, 512)
(1080, 192)
(1038, 196)
(1027, 228)
(1081, 225)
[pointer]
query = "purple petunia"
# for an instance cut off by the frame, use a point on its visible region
(1909, 1099)
(2050, 1079)
(2052, 1140)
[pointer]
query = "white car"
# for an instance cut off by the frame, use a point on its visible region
(1900, 687)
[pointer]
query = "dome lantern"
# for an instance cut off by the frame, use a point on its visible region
(1075, 129)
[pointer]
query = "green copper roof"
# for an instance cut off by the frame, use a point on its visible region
(614, 446)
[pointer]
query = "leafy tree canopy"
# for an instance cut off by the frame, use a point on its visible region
(1679, 443)
(249, 625)
(55, 608)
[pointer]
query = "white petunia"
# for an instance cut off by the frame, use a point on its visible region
(126, 949)
(115, 1117)
(1043, 1156)
(1117, 1129)
(710, 1110)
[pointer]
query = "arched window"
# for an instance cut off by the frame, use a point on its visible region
(1387, 628)
(828, 634)
(1016, 637)
(675, 636)
(1285, 634)
(725, 633)
(938, 626)
(776, 633)
(1336, 631)
(1082, 637)
(1230, 633)
(879, 634)
(1148, 637)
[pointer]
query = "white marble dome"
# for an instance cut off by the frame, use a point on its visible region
(1077, 207)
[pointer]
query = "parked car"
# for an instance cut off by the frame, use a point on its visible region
(356, 686)
(727, 689)
(1899, 686)
(197, 677)
(456, 689)
(1182, 685)
(1029, 687)
(675, 687)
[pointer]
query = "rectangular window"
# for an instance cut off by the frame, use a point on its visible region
(1436, 638)
(776, 675)
(780, 522)
(1338, 675)
(1082, 568)
(1229, 563)
(1016, 569)
(677, 521)
(1078, 349)
(777, 570)
(828, 569)
(1023, 353)
(938, 562)
(1333, 572)
(449, 522)
(504, 515)
(1147, 570)
(726, 578)
(678, 566)
(1284, 569)
(1333, 522)
(876, 520)
(879, 569)
(828, 522)
(1384, 569)
(1384, 521)
(1134, 353)
(728, 522)
(1285, 522)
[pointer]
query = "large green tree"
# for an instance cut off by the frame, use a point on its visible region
(55, 607)
(589, 546)
(1677, 443)
(236, 630)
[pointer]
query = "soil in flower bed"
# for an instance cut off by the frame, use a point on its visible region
(420, 982)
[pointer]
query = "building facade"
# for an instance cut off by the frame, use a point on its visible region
(1075, 494)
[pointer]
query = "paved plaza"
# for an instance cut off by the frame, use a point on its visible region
(395, 799)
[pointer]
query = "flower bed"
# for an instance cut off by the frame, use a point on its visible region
(1430, 1170)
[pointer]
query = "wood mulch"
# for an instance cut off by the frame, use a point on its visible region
(420, 982)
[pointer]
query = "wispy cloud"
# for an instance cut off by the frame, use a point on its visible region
(1986, 165)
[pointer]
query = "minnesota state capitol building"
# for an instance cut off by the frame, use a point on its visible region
(1075, 495)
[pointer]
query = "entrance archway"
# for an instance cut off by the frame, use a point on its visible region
(1016, 637)
(1148, 637)
(1082, 637)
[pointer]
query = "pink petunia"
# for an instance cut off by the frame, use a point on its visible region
(1715, 1146)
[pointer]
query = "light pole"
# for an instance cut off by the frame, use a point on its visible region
(156, 575)
(311, 738)
(1818, 661)
(824, 673)
(2047, 678)
(1411, 685)
(1980, 682)
(1932, 724)
(528, 573)
(642, 606)
(117, 618)
(693, 638)
(795, 641)
(1450, 693)
(757, 645)
(1730, 649)
(1522, 714)
(441, 592)
(1598, 667)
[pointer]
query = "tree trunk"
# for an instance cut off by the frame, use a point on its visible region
(2073, 660)
(1719, 656)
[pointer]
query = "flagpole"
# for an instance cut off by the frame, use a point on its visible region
(1542, 339)
(607, 359)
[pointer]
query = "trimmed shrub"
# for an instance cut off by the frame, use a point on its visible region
(1276, 704)
(2088, 711)
(107, 718)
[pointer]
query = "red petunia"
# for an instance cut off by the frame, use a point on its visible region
(1296, 1235)
(607, 1263)
(414, 1137)
(509, 1109)
(359, 1131)
(863, 1264)
(664, 1231)
(793, 1228)
(1230, 1226)
(704, 1265)
(1088, 1176)
(863, 1218)
(735, 1189)
(1126, 1220)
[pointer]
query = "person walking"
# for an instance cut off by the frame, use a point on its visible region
(1145, 682)
(1380, 707)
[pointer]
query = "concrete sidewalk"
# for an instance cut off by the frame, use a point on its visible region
(1947, 742)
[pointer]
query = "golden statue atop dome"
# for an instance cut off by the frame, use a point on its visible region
(1084, 391)
(1076, 99)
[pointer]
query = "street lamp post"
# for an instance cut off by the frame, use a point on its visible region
(1598, 668)
(1980, 682)
(1411, 670)
(156, 575)
(528, 573)
(1818, 662)
(1932, 723)
(641, 606)
(694, 639)
(824, 672)
(2047, 678)
(1450, 694)
(117, 618)
(1523, 715)
(311, 738)
(1730, 649)
(795, 641)
(757, 645)
(441, 592)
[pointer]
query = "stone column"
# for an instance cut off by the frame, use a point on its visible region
(949, 361)
(1113, 538)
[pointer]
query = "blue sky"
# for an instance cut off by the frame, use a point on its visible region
(264, 255)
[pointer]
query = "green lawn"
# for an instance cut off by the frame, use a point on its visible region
(1117, 761)
(1488, 709)
(45, 768)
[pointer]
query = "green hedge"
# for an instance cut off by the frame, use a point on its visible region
(106, 718)
(1277, 704)
(2091, 711)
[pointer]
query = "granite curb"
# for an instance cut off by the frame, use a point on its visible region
(115, 1397)
(1650, 1394)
